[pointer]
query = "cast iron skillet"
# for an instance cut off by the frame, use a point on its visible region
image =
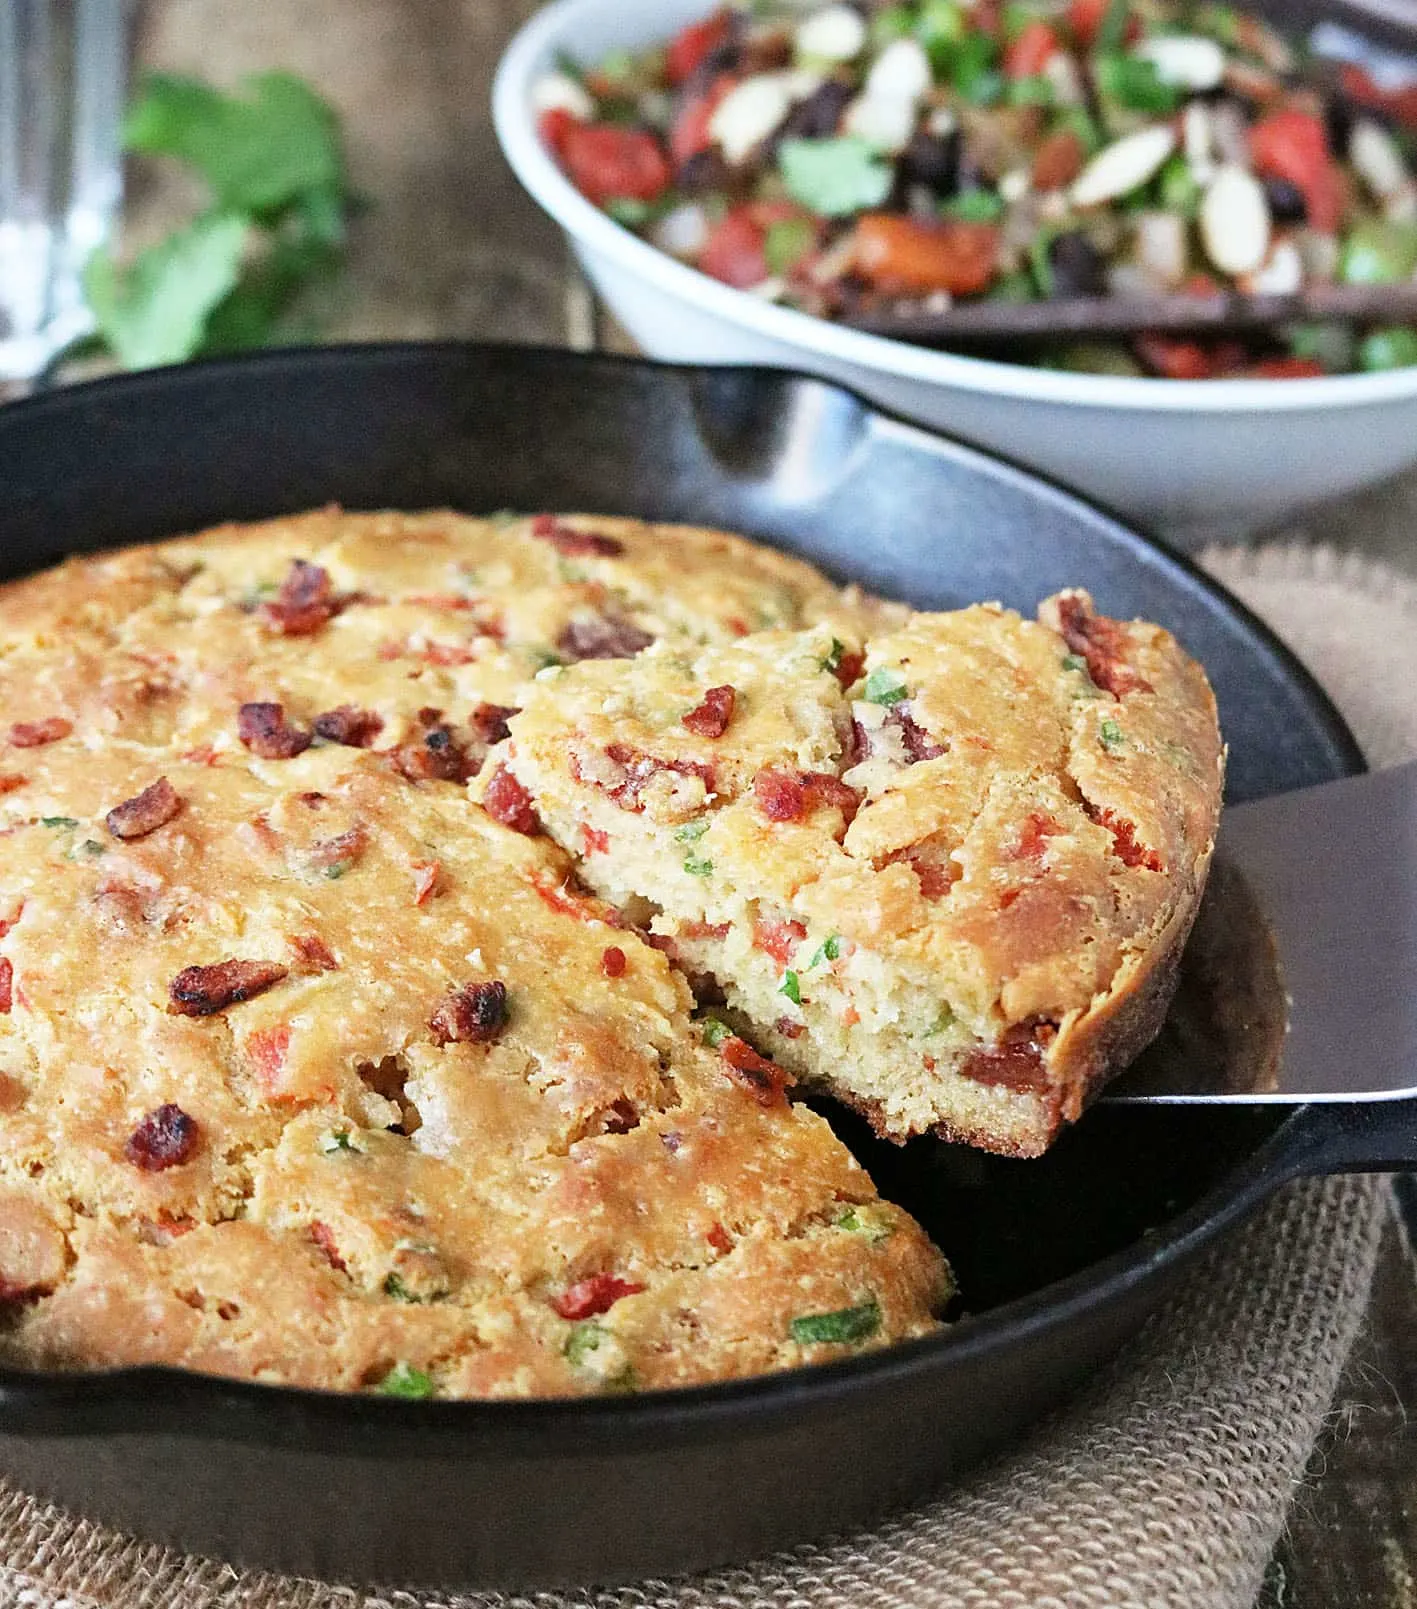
(1061, 1259)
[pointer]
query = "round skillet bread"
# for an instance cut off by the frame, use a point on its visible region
(312, 1070)
(943, 869)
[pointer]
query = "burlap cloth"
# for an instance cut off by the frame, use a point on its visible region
(1163, 1487)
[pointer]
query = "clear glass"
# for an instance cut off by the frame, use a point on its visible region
(62, 74)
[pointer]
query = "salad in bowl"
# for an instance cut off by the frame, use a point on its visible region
(857, 162)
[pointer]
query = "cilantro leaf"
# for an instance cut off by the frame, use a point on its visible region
(272, 160)
(835, 177)
(259, 150)
(156, 310)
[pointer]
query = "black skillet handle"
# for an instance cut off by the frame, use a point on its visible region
(1351, 1137)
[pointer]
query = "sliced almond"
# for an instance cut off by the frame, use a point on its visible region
(1235, 222)
(1123, 166)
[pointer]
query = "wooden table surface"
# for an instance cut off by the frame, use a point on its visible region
(451, 247)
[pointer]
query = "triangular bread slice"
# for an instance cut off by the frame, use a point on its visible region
(946, 873)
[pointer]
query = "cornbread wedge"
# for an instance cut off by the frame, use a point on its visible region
(312, 1070)
(944, 872)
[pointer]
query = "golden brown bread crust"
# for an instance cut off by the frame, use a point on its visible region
(944, 870)
(313, 1071)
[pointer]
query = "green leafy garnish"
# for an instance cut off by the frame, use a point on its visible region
(403, 1380)
(786, 243)
(832, 662)
(259, 151)
(270, 157)
(691, 831)
(90, 849)
(828, 950)
(337, 870)
(58, 821)
(1113, 27)
(974, 206)
(1112, 735)
(791, 986)
(1075, 662)
(867, 1221)
(1134, 82)
(697, 867)
(845, 1325)
(835, 177)
(940, 29)
(894, 22)
(974, 73)
(885, 686)
(715, 1032)
(395, 1287)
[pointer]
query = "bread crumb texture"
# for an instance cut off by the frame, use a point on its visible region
(313, 1070)
(942, 868)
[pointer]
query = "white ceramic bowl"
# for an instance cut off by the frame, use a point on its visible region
(1190, 459)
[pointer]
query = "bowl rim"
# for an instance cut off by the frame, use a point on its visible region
(531, 50)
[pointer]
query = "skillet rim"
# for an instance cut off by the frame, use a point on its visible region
(161, 1398)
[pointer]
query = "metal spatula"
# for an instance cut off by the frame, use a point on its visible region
(1333, 869)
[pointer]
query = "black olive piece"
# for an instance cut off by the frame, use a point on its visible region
(933, 160)
(819, 116)
(705, 170)
(1340, 114)
(1286, 201)
(1078, 268)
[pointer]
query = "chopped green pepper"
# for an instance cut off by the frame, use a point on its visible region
(715, 1032)
(1394, 348)
(845, 1325)
(1112, 735)
(828, 950)
(866, 1220)
(791, 987)
(885, 686)
(1379, 253)
(584, 1341)
(894, 22)
(333, 1140)
(403, 1380)
(691, 831)
(697, 867)
(58, 821)
(974, 206)
(787, 242)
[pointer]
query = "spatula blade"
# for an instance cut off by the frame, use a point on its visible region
(1334, 869)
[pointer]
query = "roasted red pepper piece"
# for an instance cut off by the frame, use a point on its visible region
(145, 812)
(166, 1138)
(589, 1297)
(711, 717)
